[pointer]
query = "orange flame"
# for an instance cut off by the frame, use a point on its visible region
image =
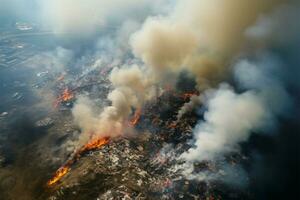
(62, 171)
(136, 117)
(67, 95)
(58, 175)
(94, 144)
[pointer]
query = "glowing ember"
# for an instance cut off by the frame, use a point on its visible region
(187, 96)
(172, 125)
(136, 117)
(62, 171)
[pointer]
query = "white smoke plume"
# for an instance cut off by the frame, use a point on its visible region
(132, 88)
(229, 120)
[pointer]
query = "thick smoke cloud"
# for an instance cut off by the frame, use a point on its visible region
(196, 33)
(161, 43)
(221, 24)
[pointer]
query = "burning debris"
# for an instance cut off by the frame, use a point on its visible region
(62, 171)
(90, 146)
(66, 96)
